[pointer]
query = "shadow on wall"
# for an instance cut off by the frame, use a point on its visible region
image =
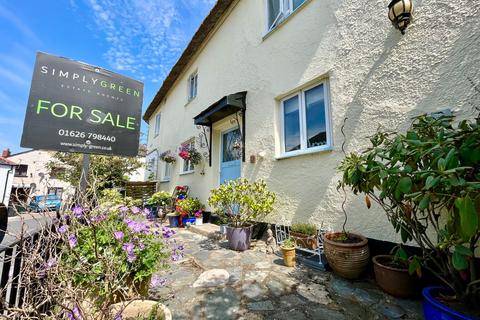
(410, 75)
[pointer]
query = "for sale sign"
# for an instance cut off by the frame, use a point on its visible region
(77, 107)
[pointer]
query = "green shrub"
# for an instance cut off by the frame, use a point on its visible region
(241, 201)
(289, 243)
(161, 198)
(189, 206)
(304, 228)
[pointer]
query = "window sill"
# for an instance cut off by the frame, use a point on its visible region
(304, 152)
(164, 180)
(284, 21)
(186, 172)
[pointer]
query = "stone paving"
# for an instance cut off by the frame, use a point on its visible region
(214, 282)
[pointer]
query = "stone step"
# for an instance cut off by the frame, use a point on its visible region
(209, 230)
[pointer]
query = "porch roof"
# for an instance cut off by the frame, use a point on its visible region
(222, 108)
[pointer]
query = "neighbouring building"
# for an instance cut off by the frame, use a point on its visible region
(32, 176)
(7, 171)
(265, 88)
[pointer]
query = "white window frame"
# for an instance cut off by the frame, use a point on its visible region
(158, 119)
(190, 166)
(152, 167)
(167, 172)
(303, 126)
(286, 9)
(192, 88)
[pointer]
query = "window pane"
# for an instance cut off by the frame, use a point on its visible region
(315, 112)
(232, 148)
(273, 11)
(297, 3)
(157, 124)
(291, 124)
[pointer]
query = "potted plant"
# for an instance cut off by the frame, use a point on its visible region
(173, 219)
(427, 182)
(288, 251)
(187, 209)
(305, 235)
(241, 202)
(187, 151)
(198, 218)
(159, 201)
(168, 156)
(392, 273)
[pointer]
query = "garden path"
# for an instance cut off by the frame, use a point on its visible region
(213, 282)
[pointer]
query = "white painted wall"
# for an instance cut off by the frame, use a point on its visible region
(377, 78)
(6, 180)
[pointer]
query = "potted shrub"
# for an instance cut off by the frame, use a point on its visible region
(392, 274)
(427, 182)
(288, 252)
(241, 202)
(305, 235)
(187, 208)
(173, 219)
(159, 202)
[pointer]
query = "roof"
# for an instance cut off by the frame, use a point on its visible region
(205, 29)
(7, 162)
(222, 108)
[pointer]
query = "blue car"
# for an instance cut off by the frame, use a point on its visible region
(51, 202)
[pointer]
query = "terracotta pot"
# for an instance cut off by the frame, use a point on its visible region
(141, 309)
(394, 281)
(305, 241)
(348, 260)
(289, 256)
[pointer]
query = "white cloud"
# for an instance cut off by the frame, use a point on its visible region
(146, 37)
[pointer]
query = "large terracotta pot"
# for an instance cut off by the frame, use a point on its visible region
(288, 256)
(305, 241)
(141, 309)
(239, 238)
(348, 260)
(393, 280)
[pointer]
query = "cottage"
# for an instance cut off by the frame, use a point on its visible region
(279, 90)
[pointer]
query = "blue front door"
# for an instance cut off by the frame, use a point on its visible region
(231, 153)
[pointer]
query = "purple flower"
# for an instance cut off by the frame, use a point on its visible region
(198, 214)
(118, 316)
(158, 281)
(146, 211)
(128, 247)
(63, 229)
(176, 257)
(98, 218)
(137, 227)
(135, 210)
(118, 235)
(123, 209)
(167, 232)
(131, 257)
(72, 241)
(141, 245)
(78, 212)
(75, 314)
(51, 263)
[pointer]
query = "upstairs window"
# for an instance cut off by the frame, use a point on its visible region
(305, 121)
(21, 170)
(278, 10)
(192, 86)
(157, 124)
(188, 165)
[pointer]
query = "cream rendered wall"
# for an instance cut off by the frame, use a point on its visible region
(377, 77)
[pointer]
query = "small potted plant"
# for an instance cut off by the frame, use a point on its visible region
(241, 202)
(305, 235)
(159, 201)
(198, 218)
(288, 251)
(187, 208)
(392, 273)
(173, 219)
(427, 182)
(168, 157)
(188, 152)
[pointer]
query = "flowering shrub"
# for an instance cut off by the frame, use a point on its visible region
(190, 206)
(188, 152)
(161, 198)
(168, 156)
(180, 192)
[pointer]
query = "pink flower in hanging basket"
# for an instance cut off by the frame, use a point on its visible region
(185, 155)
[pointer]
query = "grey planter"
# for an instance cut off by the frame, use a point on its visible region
(239, 238)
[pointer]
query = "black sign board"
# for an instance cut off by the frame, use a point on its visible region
(76, 107)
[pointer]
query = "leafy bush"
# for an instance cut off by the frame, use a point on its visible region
(161, 198)
(241, 201)
(428, 180)
(189, 206)
(289, 243)
(112, 197)
(304, 228)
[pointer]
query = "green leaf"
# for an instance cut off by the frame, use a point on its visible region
(405, 185)
(430, 182)
(459, 261)
(468, 217)
(441, 164)
(464, 251)
(424, 202)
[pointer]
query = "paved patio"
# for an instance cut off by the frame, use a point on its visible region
(213, 282)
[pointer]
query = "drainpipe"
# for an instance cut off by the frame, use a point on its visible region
(6, 184)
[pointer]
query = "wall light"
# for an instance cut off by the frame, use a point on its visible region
(400, 13)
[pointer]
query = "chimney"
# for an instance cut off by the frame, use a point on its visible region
(6, 153)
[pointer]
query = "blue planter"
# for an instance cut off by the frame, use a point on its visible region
(435, 310)
(173, 221)
(188, 220)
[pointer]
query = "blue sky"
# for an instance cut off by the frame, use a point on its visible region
(138, 38)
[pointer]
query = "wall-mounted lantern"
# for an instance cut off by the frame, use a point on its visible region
(400, 13)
